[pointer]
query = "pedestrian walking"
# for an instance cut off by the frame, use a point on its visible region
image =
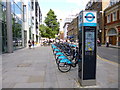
(29, 44)
(98, 42)
(107, 44)
(33, 43)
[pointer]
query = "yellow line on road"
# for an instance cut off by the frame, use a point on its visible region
(107, 60)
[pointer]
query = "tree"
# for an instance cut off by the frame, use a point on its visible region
(42, 29)
(52, 26)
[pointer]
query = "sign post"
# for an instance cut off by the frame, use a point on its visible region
(87, 47)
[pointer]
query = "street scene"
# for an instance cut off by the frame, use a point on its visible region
(36, 68)
(59, 44)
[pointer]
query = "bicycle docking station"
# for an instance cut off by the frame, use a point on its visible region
(87, 23)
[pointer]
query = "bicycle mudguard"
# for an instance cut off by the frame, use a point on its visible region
(54, 47)
(56, 50)
(59, 53)
(74, 45)
(65, 61)
(61, 57)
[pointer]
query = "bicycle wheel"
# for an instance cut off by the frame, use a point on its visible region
(63, 67)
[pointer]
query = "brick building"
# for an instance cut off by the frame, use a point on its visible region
(73, 29)
(99, 6)
(112, 23)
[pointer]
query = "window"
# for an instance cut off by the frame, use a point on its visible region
(105, 19)
(114, 16)
(99, 5)
(19, 4)
(12, 7)
(4, 36)
(17, 32)
(32, 3)
(1, 12)
(111, 32)
(24, 13)
(3, 3)
(108, 19)
(17, 11)
(112, 2)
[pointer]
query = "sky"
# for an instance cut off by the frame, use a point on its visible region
(62, 8)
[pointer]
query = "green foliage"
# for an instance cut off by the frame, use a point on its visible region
(42, 29)
(52, 26)
(16, 28)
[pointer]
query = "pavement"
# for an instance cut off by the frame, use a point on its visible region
(0, 71)
(112, 46)
(36, 68)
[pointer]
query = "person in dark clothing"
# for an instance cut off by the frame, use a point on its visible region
(29, 43)
(33, 43)
(107, 44)
(98, 42)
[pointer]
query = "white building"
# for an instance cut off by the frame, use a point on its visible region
(36, 20)
(66, 23)
(33, 19)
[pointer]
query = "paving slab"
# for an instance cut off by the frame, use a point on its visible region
(8, 85)
(34, 79)
(28, 85)
(36, 68)
(15, 79)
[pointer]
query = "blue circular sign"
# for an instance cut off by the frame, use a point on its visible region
(90, 17)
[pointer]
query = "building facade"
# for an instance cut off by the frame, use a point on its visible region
(36, 20)
(112, 23)
(73, 30)
(67, 21)
(61, 35)
(3, 29)
(65, 29)
(99, 6)
(16, 24)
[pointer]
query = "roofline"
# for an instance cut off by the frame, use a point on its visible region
(66, 23)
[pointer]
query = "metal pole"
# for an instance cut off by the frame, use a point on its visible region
(9, 28)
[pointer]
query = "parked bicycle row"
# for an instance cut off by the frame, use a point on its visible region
(66, 56)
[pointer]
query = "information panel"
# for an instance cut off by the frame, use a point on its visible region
(89, 53)
(89, 41)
